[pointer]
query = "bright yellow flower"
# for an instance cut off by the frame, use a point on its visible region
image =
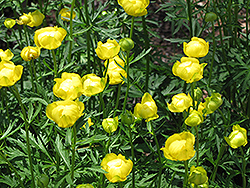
(30, 52)
(198, 175)
(180, 102)
(179, 147)
(197, 47)
(147, 109)
(110, 124)
(114, 71)
(238, 137)
(9, 73)
(212, 103)
(36, 19)
(24, 19)
(89, 123)
(107, 50)
(49, 37)
(65, 14)
(93, 84)
(69, 86)
(118, 167)
(85, 186)
(9, 23)
(195, 118)
(134, 7)
(189, 69)
(6, 55)
(65, 113)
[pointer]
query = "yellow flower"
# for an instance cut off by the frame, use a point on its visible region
(134, 7)
(69, 86)
(180, 102)
(6, 55)
(93, 84)
(85, 186)
(89, 123)
(195, 118)
(107, 50)
(65, 113)
(189, 69)
(49, 37)
(118, 167)
(9, 23)
(197, 47)
(30, 52)
(36, 19)
(238, 137)
(147, 109)
(110, 124)
(65, 14)
(179, 147)
(212, 103)
(24, 19)
(114, 71)
(9, 73)
(198, 175)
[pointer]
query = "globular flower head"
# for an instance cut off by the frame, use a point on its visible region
(43, 181)
(65, 113)
(68, 87)
(9, 73)
(210, 16)
(107, 50)
(238, 137)
(147, 109)
(195, 118)
(127, 118)
(117, 167)
(134, 7)
(197, 47)
(9, 23)
(189, 69)
(85, 186)
(179, 146)
(115, 71)
(36, 19)
(126, 44)
(65, 14)
(24, 19)
(180, 102)
(6, 55)
(198, 175)
(110, 124)
(30, 52)
(212, 103)
(93, 84)
(49, 37)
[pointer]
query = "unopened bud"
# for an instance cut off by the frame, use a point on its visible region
(126, 44)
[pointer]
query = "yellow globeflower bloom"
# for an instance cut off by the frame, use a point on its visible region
(107, 50)
(238, 137)
(180, 102)
(9, 73)
(30, 52)
(189, 69)
(6, 55)
(85, 186)
(212, 103)
(147, 109)
(197, 47)
(195, 118)
(198, 175)
(134, 7)
(179, 147)
(24, 19)
(114, 71)
(9, 23)
(49, 37)
(65, 14)
(93, 84)
(65, 113)
(36, 19)
(69, 86)
(118, 167)
(110, 124)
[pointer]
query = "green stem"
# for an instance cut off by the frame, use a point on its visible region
(18, 97)
(212, 63)
(71, 30)
(243, 172)
(55, 63)
(88, 33)
(197, 145)
(133, 155)
(26, 35)
(186, 174)
(73, 154)
(190, 18)
(117, 98)
(247, 43)
(132, 27)
(31, 75)
(127, 71)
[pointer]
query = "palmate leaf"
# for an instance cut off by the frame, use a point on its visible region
(7, 180)
(62, 152)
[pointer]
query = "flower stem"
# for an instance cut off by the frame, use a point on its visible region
(212, 63)
(133, 155)
(243, 172)
(73, 154)
(55, 63)
(127, 71)
(197, 145)
(117, 98)
(186, 174)
(190, 18)
(71, 30)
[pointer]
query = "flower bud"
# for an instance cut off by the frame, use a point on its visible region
(24, 19)
(210, 16)
(30, 52)
(212, 103)
(198, 175)
(36, 19)
(110, 124)
(126, 44)
(197, 94)
(107, 50)
(127, 118)
(85, 186)
(6, 55)
(195, 118)
(65, 14)
(9, 23)
(180, 102)
(43, 181)
(238, 137)
(197, 47)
